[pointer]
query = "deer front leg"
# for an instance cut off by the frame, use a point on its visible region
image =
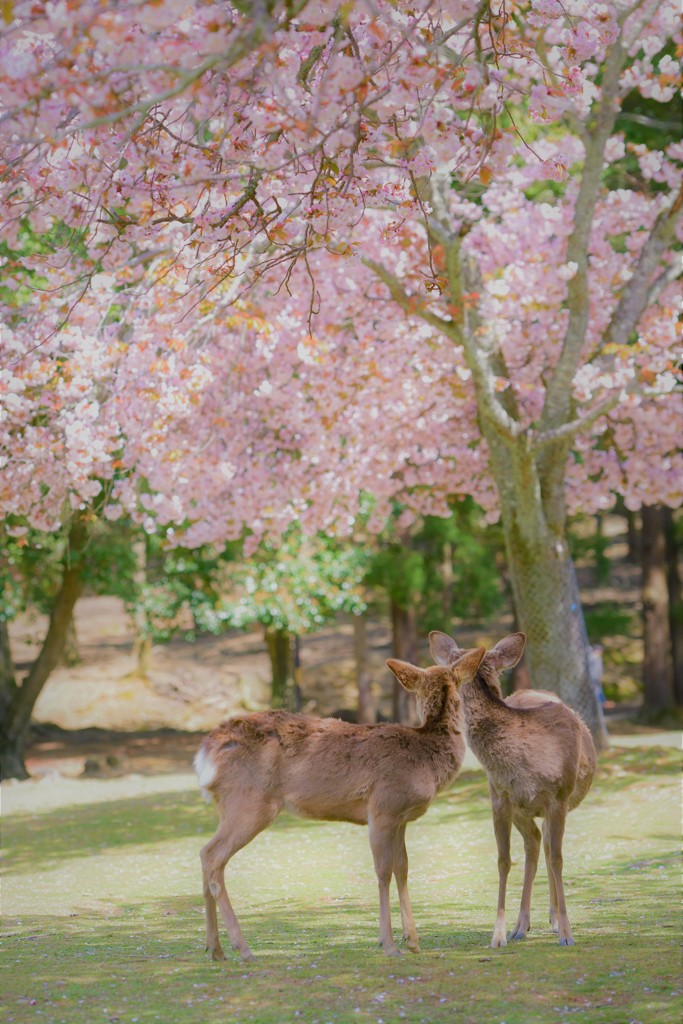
(381, 844)
(532, 847)
(556, 817)
(552, 913)
(401, 876)
(502, 826)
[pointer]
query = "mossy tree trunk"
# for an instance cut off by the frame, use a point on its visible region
(546, 595)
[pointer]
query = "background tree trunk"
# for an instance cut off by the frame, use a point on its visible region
(633, 535)
(279, 644)
(142, 644)
(658, 688)
(673, 578)
(71, 654)
(403, 647)
(11, 767)
(17, 711)
(447, 580)
(366, 709)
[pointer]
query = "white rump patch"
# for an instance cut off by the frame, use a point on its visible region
(206, 772)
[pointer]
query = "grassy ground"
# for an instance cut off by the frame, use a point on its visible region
(103, 916)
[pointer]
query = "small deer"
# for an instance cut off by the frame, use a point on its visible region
(382, 776)
(540, 761)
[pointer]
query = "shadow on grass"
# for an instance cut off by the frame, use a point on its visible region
(81, 831)
(31, 841)
(624, 765)
(322, 961)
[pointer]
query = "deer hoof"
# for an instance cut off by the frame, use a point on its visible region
(517, 936)
(498, 941)
(217, 954)
(566, 942)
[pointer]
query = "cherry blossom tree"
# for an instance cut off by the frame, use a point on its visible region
(265, 260)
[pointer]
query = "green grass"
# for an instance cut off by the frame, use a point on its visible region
(103, 915)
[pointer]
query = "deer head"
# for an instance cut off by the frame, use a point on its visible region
(430, 684)
(504, 655)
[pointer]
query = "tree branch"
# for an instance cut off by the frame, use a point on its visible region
(558, 394)
(567, 431)
(640, 289)
(477, 360)
(411, 303)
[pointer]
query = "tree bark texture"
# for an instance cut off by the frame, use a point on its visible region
(404, 648)
(142, 644)
(673, 577)
(366, 709)
(279, 644)
(545, 591)
(18, 702)
(658, 688)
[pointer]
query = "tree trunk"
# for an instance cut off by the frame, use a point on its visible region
(673, 578)
(278, 642)
(633, 536)
(403, 647)
(366, 710)
(549, 611)
(546, 594)
(11, 765)
(658, 689)
(16, 720)
(142, 644)
(296, 701)
(71, 654)
(447, 583)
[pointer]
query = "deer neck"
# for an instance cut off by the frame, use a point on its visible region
(484, 713)
(444, 716)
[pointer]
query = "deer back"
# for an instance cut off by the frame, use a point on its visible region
(325, 768)
(532, 751)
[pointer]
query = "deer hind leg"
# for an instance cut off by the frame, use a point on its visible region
(401, 876)
(213, 942)
(532, 847)
(552, 914)
(555, 818)
(234, 832)
(502, 826)
(382, 846)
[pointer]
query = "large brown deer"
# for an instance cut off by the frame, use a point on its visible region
(540, 761)
(254, 766)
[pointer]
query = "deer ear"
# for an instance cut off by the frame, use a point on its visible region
(409, 676)
(444, 649)
(507, 651)
(466, 668)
